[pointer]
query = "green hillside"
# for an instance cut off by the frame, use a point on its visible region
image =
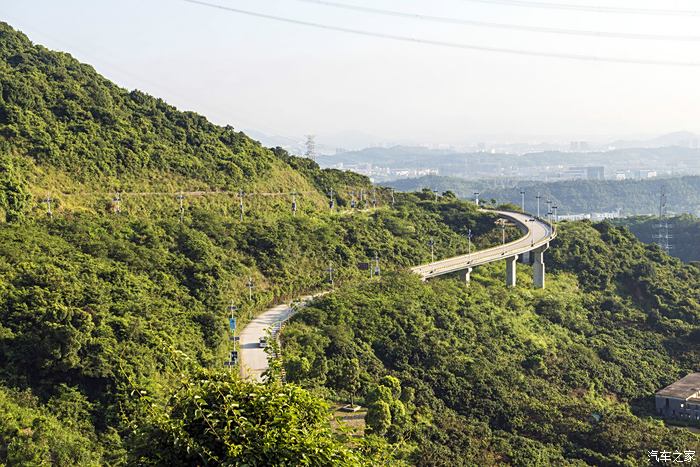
(106, 314)
(485, 375)
(631, 197)
(684, 231)
(113, 322)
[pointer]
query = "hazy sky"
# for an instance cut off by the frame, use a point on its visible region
(289, 79)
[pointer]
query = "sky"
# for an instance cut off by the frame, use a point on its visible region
(280, 78)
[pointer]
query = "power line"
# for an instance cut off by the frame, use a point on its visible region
(453, 45)
(513, 27)
(591, 8)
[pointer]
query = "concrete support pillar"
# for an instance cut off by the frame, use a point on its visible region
(510, 270)
(525, 258)
(538, 267)
(466, 275)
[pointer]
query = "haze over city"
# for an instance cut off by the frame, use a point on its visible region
(272, 77)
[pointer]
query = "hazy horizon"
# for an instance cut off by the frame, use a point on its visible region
(290, 80)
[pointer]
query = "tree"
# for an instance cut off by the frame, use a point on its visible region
(378, 417)
(15, 198)
(350, 378)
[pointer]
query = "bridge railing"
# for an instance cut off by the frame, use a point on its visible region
(501, 250)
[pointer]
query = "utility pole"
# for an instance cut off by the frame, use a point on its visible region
(476, 197)
(232, 309)
(556, 218)
(117, 200)
(250, 288)
(48, 201)
(181, 198)
(330, 274)
(240, 203)
(469, 243)
(539, 197)
(502, 223)
(522, 200)
(331, 203)
(432, 249)
(393, 200)
(549, 209)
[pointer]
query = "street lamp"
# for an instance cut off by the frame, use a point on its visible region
(502, 223)
(469, 243)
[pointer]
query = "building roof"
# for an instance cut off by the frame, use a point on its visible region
(684, 388)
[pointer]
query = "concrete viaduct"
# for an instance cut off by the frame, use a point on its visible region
(537, 234)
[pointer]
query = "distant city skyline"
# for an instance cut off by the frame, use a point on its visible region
(276, 78)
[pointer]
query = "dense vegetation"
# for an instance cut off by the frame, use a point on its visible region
(481, 374)
(684, 231)
(99, 308)
(112, 324)
(575, 196)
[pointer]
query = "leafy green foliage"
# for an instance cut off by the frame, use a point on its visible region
(56, 434)
(212, 417)
(15, 198)
(639, 197)
(517, 376)
(63, 114)
(685, 230)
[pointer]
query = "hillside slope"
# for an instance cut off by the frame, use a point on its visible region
(574, 196)
(485, 375)
(114, 322)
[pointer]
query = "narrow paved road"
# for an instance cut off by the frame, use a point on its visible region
(253, 361)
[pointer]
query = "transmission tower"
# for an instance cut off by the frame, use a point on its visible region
(48, 200)
(310, 146)
(663, 232)
(181, 198)
(117, 200)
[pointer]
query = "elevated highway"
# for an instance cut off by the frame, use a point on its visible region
(537, 233)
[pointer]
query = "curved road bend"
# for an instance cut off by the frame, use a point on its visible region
(538, 233)
(253, 359)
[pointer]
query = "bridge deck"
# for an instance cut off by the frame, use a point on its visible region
(538, 233)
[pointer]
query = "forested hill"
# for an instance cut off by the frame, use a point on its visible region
(68, 131)
(575, 196)
(684, 232)
(114, 322)
(66, 116)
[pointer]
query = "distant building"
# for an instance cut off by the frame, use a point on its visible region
(575, 146)
(642, 174)
(585, 173)
(681, 399)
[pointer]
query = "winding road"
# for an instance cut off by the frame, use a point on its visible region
(537, 235)
(254, 359)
